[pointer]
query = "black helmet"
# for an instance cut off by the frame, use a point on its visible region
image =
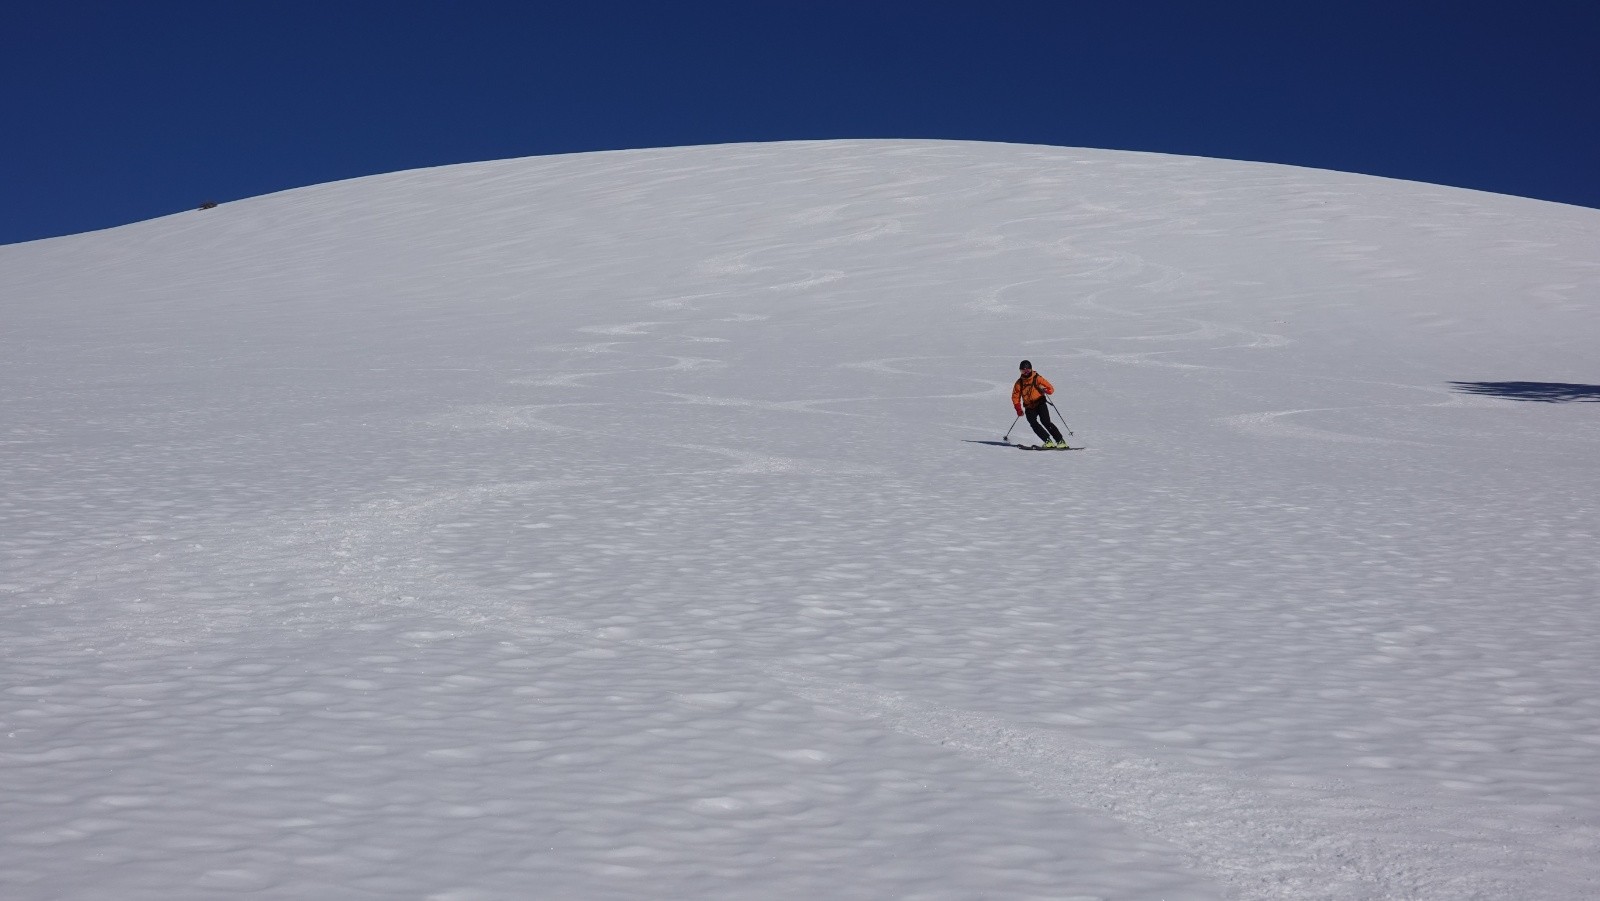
(1025, 365)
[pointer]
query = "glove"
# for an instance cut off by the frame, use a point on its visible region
(1019, 409)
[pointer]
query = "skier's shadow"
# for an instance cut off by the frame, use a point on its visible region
(995, 443)
(1543, 392)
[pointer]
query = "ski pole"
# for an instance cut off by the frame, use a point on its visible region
(1007, 435)
(1058, 413)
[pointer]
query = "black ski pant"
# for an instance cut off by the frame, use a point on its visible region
(1039, 421)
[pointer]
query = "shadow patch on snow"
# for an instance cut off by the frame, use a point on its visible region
(1544, 392)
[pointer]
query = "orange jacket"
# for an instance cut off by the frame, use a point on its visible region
(1031, 389)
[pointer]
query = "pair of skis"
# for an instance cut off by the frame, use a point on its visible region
(1039, 447)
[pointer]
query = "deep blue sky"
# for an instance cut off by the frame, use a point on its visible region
(121, 111)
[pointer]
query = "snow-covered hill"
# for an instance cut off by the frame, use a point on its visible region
(635, 525)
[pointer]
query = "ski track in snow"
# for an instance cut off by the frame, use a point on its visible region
(1287, 838)
(380, 554)
(1284, 839)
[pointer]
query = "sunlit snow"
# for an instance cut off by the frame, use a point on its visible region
(637, 525)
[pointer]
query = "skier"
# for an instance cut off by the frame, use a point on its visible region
(1029, 396)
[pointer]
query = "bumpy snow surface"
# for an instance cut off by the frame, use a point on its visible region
(636, 525)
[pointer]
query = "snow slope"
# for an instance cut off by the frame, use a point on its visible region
(634, 525)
